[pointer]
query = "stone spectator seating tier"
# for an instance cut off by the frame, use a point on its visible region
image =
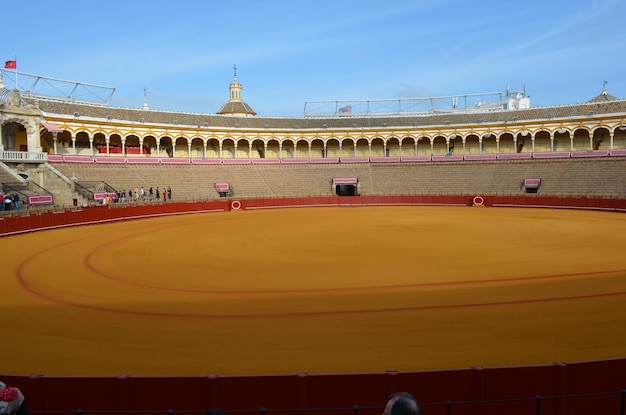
(559, 177)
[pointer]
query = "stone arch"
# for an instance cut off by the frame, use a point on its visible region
(243, 149)
(273, 148)
(601, 138)
(619, 137)
(258, 149)
(348, 148)
(407, 145)
(472, 144)
(542, 142)
(524, 142)
(228, 148)
(149, 144)
(132, 145)
(506, 143)
(318, 149)
(166, 147)
(440, 146)
(181, 147)
(488, 144)
(14, 134)
(197, 148)
(333, 147)
(303, 149)
(424, 146)
(581, 140)
(288, 149)
(392, 148)
(561, 140)
(362, 147)
(81, 143)
(213, 148)
(115, 144)
(378, 147)
(99, 143)
(19, 133)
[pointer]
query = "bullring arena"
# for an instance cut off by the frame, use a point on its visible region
(470, 256)
(318, 290)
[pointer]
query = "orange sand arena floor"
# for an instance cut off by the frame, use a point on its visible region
(317, 290)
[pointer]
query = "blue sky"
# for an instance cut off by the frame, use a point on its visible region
(288, 52)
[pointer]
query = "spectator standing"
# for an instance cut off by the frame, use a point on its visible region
(169, 193)
(8, 202)
(16, 201)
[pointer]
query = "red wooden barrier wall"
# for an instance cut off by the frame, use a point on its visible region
(486, 391)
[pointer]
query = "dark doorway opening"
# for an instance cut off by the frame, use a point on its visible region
(345, 190)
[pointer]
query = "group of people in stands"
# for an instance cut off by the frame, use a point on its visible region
(9, 201)
(12, 402)
(139, 194)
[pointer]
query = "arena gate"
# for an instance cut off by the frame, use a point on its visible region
(348, 186)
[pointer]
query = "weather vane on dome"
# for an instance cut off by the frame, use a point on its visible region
(235, 68)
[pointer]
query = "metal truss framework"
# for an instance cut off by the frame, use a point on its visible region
(30, 85)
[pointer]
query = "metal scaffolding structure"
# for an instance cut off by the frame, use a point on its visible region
(30, 85)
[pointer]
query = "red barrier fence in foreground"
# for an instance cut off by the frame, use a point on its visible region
(27, 222)
(574, 388)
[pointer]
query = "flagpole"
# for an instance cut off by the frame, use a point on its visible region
(16, 84)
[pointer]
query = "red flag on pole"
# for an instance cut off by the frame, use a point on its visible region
(10, 65)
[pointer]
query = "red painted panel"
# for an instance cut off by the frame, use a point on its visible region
(539, 199)
(36, 221)
(619, 204)
(417, 199)
(71, 394)
(178, 394)
(330, 391)
(79, 216)
(522, 383)
(47, 219)
(23, 222)
(593, 203)
(406, 199)
(11, 223)
(580, 202)
(446, 199)
(93, 214)
(255, 392)
(596, 377)
(556, 201)
(607, 203)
